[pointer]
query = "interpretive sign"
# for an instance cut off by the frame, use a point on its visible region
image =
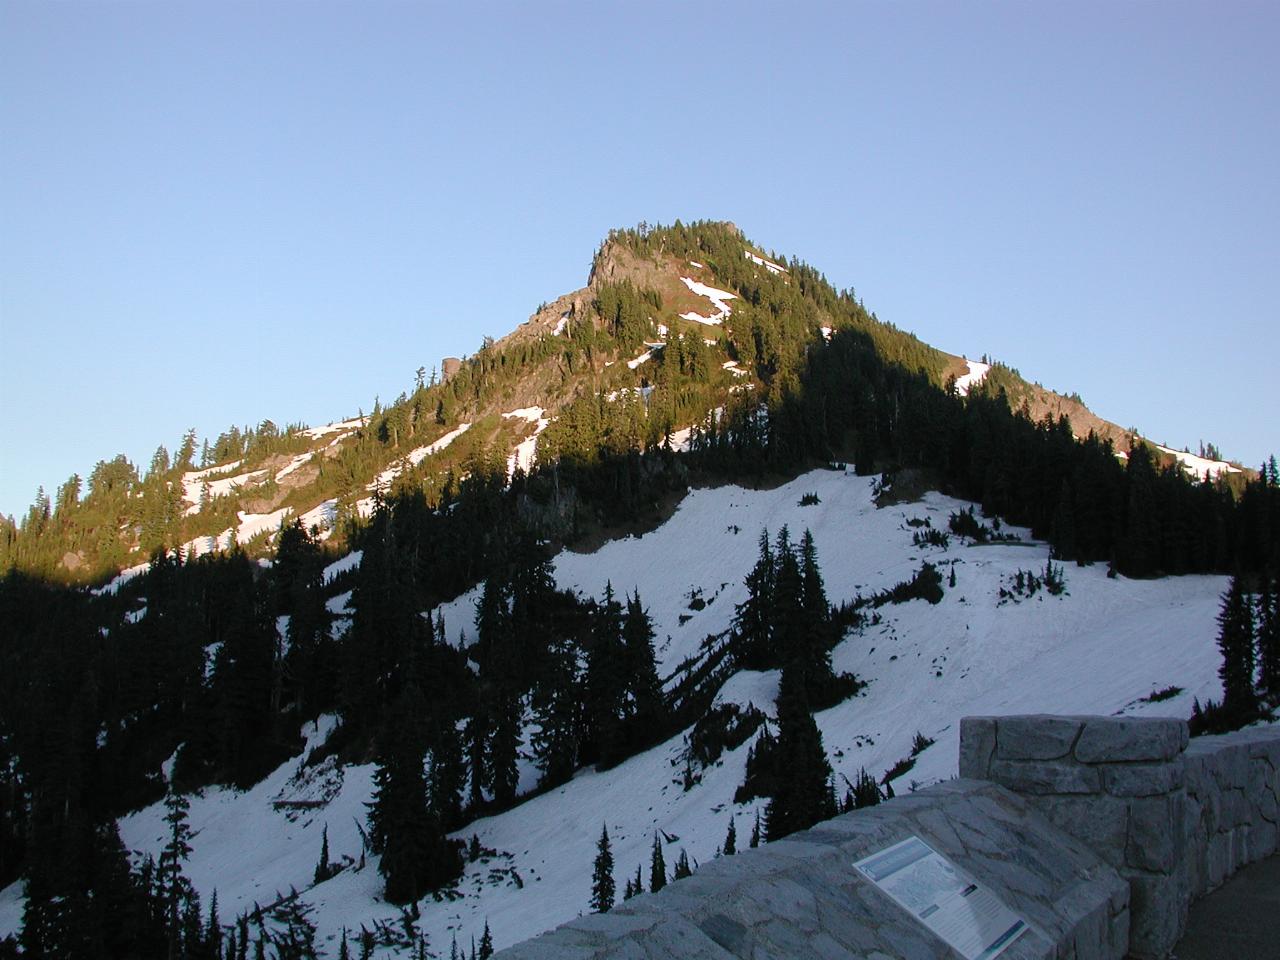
(966, 915)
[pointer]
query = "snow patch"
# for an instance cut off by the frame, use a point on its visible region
(293, 465)
(977, 373)
(315, 433)
(415, 457)
(767, 264)
(719, 298)
(1200, 466)
(349, 562)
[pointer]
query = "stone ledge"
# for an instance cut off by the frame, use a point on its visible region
(801, 896)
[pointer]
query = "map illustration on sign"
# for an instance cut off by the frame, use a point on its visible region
(963, 913)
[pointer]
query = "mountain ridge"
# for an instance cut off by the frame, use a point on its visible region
(548, 382)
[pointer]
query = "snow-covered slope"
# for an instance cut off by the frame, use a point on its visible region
(1100, 648)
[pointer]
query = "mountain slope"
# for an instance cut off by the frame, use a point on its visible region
(647, 295)
(1099, 648)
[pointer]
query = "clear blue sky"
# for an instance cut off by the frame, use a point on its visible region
(216, 213)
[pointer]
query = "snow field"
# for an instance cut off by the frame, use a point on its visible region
(1100, 648)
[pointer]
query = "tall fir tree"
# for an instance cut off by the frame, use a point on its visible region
(657, 867)
(602, 884)
(803, 795)
(1236, 643)
(1269, 640)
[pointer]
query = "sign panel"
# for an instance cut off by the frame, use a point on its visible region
(931, 888)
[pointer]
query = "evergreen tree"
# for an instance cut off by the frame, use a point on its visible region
(731, 838)
(755, 832)
(416, 854)
(606, 681)
(1269, 640)
(1235, 641)
(803, 796)
(682, 869)
(602, 885)
(644, 690)
(213, 930)
(486, 944)
(752, 617)
(322, 867)
(657, 867)
(866, 793)
(175, 888)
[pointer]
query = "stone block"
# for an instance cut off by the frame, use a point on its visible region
(1118, 943)
(1100, 823)
(1236, 811)
(977, 746)
(1142, 779)
(1037, 737)
(1266, 752)
(1195, 777)
(1218, 860)
(1043, 776)
(1154, 831)
(1121, 739)
(1262, 788)
(1158, 914)
(1239, 848)
(1231, 767)
(1262, 840)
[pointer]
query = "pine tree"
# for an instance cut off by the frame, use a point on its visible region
(755, 832)
(866, 793)
(486, 944)
(344, 951)
(657, 867)
(602, 886)
(213, 930)
(752, 617)
(606, 681)
(1269, 640)
(1235, 641)
(174, 887)
(731, 838)
(322, 867)
(803, 795)
(416, 854)
(644, 690)
(682, 869)
(636, 883)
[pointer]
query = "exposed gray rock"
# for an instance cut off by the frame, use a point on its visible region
(1142, 779)
(1041, 776)
(1119, 739)
(1155, 832)
(977, 746)
(1035, 737)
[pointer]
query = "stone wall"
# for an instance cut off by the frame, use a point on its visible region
(802, 897)
(1098, 831)
(1232, 784)
(1174, 818)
